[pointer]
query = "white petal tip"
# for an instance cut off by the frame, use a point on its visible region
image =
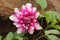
(23, 7)
(31, 32)
(37, 15)
(37, 26)
(28, 4)
(34, 9)
(19, 31)
(40, 28)
(16, 9)
(11, 17)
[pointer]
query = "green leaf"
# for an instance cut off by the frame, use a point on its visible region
(9, 36)
(18, 36)
(53, 31)
(58, 17)
(26, 38)
(52, 37)
(55, 26)
(0, 37)
(51, 16)
(42, 3)
(59, 39)
(40, 15)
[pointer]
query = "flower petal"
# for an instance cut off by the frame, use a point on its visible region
(13, 18)
(29, 7)
(34, 9)
(19, 30)
(17, 12)
(23, 7)
(37, 14)
(26, 19)
(17, 25)
(37, 26)
(31, 30)
(16, 9)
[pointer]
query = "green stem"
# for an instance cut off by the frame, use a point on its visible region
(40, 37)
(38, 34)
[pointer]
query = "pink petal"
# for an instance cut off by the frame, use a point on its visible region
(37, 26)
(31, 30)
(29, 7)
(13, 18)
(17, 12)
(17, 25)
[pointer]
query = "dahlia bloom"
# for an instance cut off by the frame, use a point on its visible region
(25, 19)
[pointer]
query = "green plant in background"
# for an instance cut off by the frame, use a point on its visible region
(52, 18)
(51, 30)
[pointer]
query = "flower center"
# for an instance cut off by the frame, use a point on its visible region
(27, 21)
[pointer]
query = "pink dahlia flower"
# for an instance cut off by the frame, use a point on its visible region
(26, 19)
